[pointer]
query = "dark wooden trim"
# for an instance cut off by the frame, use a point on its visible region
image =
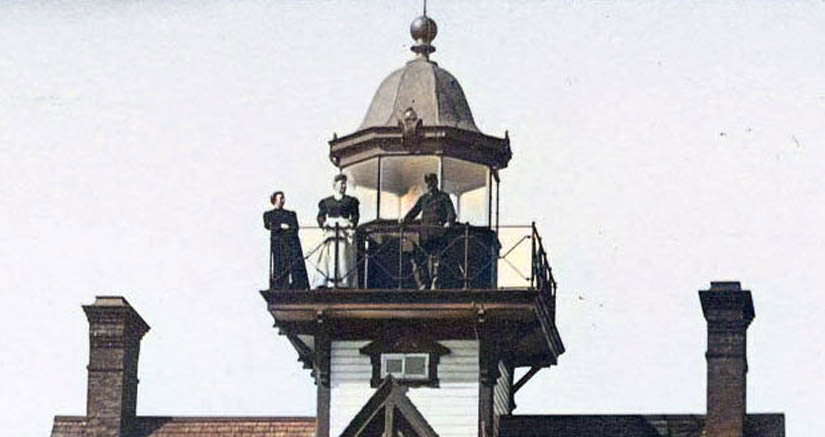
(520, 317)
(488, 373)
(359, 329)
(416, 420)
(379, 180)
(405, 344)
(511, 374)
(485, 410)
(390, 398)
(435, 140)
(277, 298)
(322, 379)
(490, 201)
(527, 376)
(304, 352)
(548, 327)
(370, 410)
(389, 419)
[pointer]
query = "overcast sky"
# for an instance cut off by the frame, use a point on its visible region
(658, 145)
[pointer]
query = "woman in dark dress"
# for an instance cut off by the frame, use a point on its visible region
(286, 261)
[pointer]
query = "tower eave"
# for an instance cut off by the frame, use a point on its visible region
(434, 140)
(363, 314)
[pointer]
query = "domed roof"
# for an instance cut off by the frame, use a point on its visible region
(432, 92)
(420, 109)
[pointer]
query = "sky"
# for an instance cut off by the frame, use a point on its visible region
(659, 145)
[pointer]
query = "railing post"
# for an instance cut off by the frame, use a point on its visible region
(492, 265)
(533, 259)
(543, 267)
(336, 259)
(400, 253)
(466, 256)
(361, 246)
(498, 201)
(271, 266)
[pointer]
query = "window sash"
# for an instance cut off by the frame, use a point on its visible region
(403, 359)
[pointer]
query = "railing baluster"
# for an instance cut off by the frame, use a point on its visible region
(400, 254)
(532, 254)
(271, 267)
(336, 259)
(466, 256)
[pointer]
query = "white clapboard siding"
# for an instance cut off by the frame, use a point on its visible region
(451, 409)
(501, 393)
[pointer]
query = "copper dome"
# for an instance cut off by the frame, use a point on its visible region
(432, 92)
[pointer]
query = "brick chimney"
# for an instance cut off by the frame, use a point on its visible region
(728, 310)
(115, 330)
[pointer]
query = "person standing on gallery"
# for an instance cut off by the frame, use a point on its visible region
(286, 259)
(437, 211)
(338, 216)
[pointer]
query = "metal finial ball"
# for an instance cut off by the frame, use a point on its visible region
(423, 29)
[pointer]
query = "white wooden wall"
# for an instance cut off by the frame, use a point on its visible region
(451, 409)
(501, 393)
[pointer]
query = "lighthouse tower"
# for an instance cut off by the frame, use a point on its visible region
(436, 317)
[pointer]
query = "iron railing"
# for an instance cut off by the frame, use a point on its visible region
(542, 275)
(391, 255)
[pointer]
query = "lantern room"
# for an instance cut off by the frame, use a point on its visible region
(419, 122)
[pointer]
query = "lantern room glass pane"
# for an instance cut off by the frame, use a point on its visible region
(468, 186)
(362, 183)
(402, 182)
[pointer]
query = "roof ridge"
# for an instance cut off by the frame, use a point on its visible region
(230, 418)
(403, 71)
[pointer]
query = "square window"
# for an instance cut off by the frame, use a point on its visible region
(405, 366)
(412, 362)
(395, 366)
(392, 364)
(415, 366)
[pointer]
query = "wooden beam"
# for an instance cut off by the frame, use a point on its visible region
(389, 420)
(323, 347)
(488, 374)
(523, 380)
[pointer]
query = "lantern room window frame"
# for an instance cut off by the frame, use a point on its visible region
(371, 208)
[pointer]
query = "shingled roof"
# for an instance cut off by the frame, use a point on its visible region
(630, 425)
(148, 426)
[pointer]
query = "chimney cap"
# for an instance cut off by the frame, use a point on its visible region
(727, 300)
(111, 301)
(116, 308)
(725, 286)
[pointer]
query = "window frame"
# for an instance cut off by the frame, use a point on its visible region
(404, 375)
(380, 351)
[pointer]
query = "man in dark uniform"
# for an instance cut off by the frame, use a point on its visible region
(286, 257)
(436, 211)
